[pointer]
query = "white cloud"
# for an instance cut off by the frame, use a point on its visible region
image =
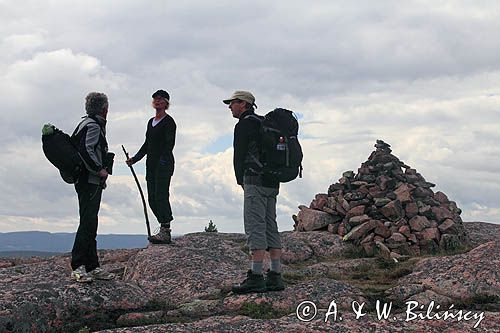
(423, 76)
(50, 87)
(18, 45)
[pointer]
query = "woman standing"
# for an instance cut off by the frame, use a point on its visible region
(159, 143)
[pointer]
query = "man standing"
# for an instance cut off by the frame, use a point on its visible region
(90, 138)
(259, 207)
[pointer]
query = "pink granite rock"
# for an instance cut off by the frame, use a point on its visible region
(310, 219)
(419, 223)
(393, 210)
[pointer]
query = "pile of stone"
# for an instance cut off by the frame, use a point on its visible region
(387, 211)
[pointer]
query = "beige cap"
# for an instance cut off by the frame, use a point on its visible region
(241, 95)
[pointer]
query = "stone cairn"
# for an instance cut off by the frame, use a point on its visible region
(385, 210)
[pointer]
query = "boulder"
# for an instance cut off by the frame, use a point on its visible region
(405, 230)
(382, 250)
(393, 210)
(379, 202)
(411, 209)
(403, 193)
(396, 238)
(356, 211)
(310, 219)
(361, 231)
(441, 197)
(319, 201)
(448, 226)
(442, 213)
(430, 234)
(419, 223)
(383, 231)
(357, 220)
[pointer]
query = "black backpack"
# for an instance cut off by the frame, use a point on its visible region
(62, 153)
(281, 153)
(61, 150)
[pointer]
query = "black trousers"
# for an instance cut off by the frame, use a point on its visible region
(85, 247)
(158, 181)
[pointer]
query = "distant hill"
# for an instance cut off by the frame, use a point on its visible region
(27, 254)
(41, 241)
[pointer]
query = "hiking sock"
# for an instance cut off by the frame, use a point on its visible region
(165, 225)
(276, 265)
(256, 267)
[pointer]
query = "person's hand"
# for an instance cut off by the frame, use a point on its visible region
(129, 162)
(103, 174)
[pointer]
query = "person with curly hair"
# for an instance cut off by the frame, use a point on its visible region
(90, 138)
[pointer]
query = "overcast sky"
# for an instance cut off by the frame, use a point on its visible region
(422, 75)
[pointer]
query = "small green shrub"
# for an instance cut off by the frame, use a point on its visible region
(211, 227)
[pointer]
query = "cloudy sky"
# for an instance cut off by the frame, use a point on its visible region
(422, 75)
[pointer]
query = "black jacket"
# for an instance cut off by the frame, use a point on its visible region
(159, 145)
(246, 144)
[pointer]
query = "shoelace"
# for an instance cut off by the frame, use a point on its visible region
(157, 230)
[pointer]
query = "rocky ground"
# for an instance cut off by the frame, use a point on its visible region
(185, 287)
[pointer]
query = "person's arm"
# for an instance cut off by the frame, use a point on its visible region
(240, 145)
(88, 146)
(142, 151)
(170, 135)
(169, 129)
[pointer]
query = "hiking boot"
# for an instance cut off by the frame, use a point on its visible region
(274, 282)
(162, 237)
(254, 283)
(80, 275)
(99, 274)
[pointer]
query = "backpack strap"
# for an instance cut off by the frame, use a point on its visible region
(76, 137)
(83, 123)
(256, 160)
(253, 116)
(252, 156)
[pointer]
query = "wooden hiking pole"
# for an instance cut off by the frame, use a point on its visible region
(140, 191)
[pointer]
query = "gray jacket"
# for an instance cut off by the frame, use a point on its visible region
(92, 145)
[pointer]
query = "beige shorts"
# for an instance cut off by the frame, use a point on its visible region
(259, 213)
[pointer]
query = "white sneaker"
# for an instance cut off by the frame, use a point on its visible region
(99, 274)
(80, 275)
